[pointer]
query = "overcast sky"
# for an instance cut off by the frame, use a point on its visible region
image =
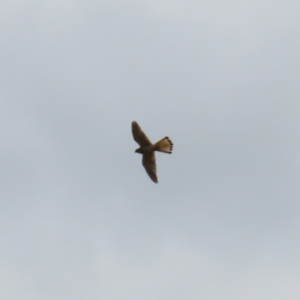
(80, 218)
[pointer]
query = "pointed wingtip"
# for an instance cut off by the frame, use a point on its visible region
(155, 180)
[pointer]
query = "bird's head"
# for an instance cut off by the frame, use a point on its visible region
(139, 150)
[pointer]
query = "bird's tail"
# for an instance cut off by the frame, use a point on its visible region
(164, 145)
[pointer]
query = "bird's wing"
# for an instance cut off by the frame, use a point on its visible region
(139, 136)
(150, 165)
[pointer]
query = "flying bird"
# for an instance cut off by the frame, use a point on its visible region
(147, 149)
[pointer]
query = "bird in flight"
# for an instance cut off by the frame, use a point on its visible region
(147, 149)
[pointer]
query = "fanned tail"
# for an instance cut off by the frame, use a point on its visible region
(164, 145)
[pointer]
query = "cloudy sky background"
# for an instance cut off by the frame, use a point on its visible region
(79, 217)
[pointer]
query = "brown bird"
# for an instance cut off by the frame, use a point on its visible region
(147, 149)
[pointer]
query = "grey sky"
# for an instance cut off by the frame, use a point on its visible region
(79, 217)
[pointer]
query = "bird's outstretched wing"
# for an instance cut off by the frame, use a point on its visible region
(139, 136)
(150, 165)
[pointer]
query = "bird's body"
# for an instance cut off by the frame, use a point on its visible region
(147, 149)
